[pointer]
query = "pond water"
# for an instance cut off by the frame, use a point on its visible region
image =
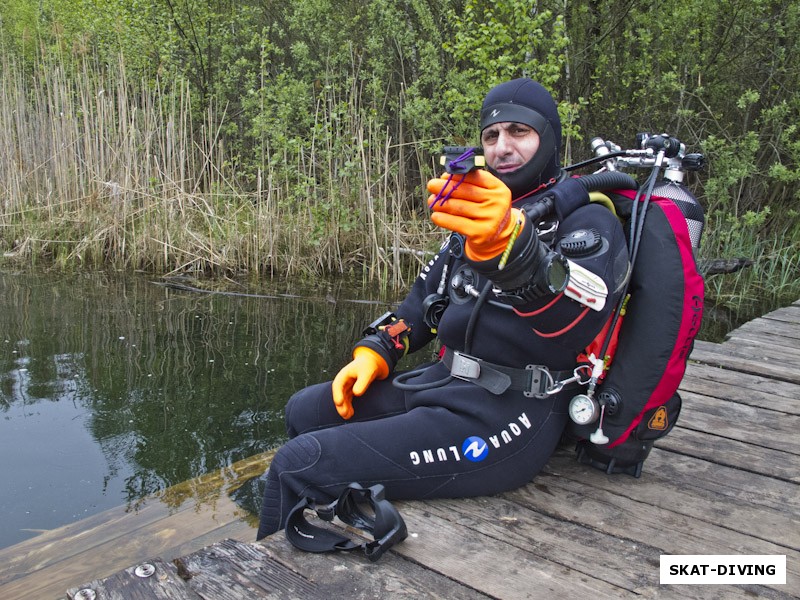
(114, 387)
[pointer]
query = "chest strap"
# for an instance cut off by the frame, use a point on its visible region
(534, 381)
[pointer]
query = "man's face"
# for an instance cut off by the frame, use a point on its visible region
(507, 146)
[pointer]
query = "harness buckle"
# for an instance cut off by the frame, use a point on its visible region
(539, 383)
(545, 385)
(465, 367)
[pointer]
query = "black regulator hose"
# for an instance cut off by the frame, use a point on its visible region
(607, 180)
(401, 380)
(596, 182)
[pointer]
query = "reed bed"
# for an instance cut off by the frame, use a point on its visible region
(773, 278)
(96, 169)
(102, 171)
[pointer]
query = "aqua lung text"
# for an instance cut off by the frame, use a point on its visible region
(453, 452)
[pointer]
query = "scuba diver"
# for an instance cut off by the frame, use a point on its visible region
(514, 295)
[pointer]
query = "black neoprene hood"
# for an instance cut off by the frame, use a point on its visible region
(528, 102)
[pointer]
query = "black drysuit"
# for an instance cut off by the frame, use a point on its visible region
(449, 437)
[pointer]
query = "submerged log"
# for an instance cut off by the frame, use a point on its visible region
(721, 266)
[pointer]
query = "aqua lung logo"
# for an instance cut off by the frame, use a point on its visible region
(427, 269)
(474, 448)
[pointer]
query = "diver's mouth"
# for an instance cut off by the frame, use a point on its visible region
(508, 168)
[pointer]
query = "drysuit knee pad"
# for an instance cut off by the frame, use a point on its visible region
(296, 455)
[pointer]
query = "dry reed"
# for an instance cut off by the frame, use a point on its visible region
(96, 169)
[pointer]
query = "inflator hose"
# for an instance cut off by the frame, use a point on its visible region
(607, 180)
(596, 182)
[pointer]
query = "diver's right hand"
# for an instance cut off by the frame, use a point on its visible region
(355, 377)
(478, 206)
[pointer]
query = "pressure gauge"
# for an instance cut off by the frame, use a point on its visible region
(583, 409)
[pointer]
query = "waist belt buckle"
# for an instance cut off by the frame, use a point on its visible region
(465, 367)
(539, 381)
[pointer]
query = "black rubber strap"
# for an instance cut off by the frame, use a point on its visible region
(312, 538)
(383, 522)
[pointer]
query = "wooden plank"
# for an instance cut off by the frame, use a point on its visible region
(750, 490)
(746, 457)
(787, 314)
(757, 426)
(786, 334)
(76, 539)
(73, 539)
(180, 519)
(785, 339)
(717, 355)
(629, 564)
(704, 491)
(764, 349)
(109, 527)
(230, 571)
(772, 364)
(753, 390)
(626, 508)
(44, 575)
(660, 525)
(496, 566)
(753, 489)
(162, 584)
(233, 570)
(243, 529)
(209, 491)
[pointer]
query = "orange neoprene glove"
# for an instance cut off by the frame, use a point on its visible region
(355, 377)
(478, 207)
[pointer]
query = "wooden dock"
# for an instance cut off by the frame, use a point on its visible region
(725, 481)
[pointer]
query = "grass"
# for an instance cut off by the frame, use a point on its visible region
(772, 280)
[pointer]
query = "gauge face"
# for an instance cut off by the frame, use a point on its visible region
(583, 410)
(558, 274)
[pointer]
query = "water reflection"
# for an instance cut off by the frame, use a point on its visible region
(115, 388)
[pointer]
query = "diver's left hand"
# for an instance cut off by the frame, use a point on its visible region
(355, 377)
(478, 207)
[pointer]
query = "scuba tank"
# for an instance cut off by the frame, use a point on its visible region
(688, 204)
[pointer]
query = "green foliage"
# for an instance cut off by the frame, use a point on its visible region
(731, 162)
(331, 113)
(497, 41)
(20, 27)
